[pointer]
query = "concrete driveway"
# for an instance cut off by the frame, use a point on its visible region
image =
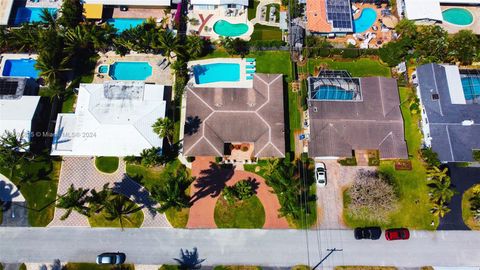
(15, 212)
(330, 197)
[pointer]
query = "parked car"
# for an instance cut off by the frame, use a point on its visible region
(397, 234)
(111, 258)
(320, 174)
(372, 233)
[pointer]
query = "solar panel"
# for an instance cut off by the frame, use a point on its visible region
(8, 87)
(339, 12)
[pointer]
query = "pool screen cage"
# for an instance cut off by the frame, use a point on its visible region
(332, 81)
(471, 86)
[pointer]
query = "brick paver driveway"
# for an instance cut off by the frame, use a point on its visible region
(330, 197)
(81, 172)
(211, 179)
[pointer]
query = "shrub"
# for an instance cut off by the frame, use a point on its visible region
(430, 157)
(240, 191)
(351, 161)
(350, 53)
(476, 155)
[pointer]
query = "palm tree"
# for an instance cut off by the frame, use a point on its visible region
(13, 149)
(151, 157)
(97, 199)
(195, 46)
(436, 174)
(172, 194)
(441, 191)
(51, 67)
(440, 210)
(271, 166)
(48, 18)
(74, 199)
(165, 128)
(120, 208)
(168, 43)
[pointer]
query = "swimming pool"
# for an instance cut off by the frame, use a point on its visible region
(224, 28)
(365, 21)
(331, 92)
(123, 24)
(103, 69)
(130, 71)
(218, 72)
(20, 68)
(471, 87)
(458, 16)
(31, 14)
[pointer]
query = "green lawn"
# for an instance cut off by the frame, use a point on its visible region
(107, 164)
(134, 220)
(301, 267)
(277, 12)
(252, 8)
(148, 177)
(360, 267)
(361, 67)
(237, 267)
(264, 32)
(93, 266)
(245, 214)
(41, 192)
(466, 212)
(411, 186)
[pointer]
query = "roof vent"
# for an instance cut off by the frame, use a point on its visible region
(468, 123)
(435, 96)
(315, 109)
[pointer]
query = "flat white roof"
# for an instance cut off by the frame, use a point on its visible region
(423, 9)
(130, 2)
(454, 82)
(219, 2)
(111, 119)
(17, 114)
(5, 9)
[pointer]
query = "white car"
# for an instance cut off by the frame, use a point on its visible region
(320, 174)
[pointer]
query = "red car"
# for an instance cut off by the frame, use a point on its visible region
(397, 234)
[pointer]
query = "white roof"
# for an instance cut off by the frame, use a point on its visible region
(111, 119)
(130, 2)
(17, 114)
(219, 2)
(454, 82)
(5, 10)
(423, 10)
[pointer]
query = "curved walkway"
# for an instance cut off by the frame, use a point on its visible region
(209, 183)
(81, 172)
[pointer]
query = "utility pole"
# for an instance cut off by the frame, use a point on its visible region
(324, 258)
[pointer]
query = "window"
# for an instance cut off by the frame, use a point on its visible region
(435, 96)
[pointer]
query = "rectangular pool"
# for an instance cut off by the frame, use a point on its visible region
(31, 14)
(217, 72)
(20, 68)
(122, 24)
(130, 71)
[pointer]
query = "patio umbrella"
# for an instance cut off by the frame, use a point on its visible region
(390, 21)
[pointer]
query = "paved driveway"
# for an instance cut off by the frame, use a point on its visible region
(462, 179)
(330, 197)
(81, 172)
(15, 208)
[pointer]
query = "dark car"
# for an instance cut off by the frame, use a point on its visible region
(111, 258)
(373, 233)
(397, 234)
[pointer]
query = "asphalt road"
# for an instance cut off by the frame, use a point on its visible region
(253, 247)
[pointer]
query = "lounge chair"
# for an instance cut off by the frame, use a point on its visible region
(249, 77)
(250, 71)
(250, 66)
(250, 59)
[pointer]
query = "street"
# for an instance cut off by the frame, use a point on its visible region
(239, 247)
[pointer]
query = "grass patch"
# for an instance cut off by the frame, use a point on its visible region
(41, 192)
(411, 186)
(252, 9)
(362, 67)
(306, 221)
(301, 267)
(169, 267)
(245, 214)
(178, 219)
(360, 267)
(236, 267)
(93, 266)
(22, 267)
(99, 220)
(466, 212)
(107, 164)
(265, 32)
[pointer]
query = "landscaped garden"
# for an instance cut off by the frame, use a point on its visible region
(107, 164)
(413, 206)
(361, 67)
(471, 207)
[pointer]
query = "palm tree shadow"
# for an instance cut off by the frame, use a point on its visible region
(189, 259)
(253, 183)
(211, 181)
(192, 125)
(138, 194)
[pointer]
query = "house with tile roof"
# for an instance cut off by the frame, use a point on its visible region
(329, 16)
(236, 123)
(351, 114)
(111, 119)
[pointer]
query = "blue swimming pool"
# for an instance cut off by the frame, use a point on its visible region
(31, 14)
(471, 87)
(20, 68)
(123, 24)
(218, 72)
(226, 29)
(130, 71)
(331, 92)
(365, 21)
(103, 69)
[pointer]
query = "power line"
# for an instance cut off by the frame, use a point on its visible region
(330, 253)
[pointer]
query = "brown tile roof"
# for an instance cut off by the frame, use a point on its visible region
(223, 115)
(316, 12)
(338, 127)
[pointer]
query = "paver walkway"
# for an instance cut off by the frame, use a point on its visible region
(258, 14)
(15, 208)
(81, 172)
(330, 197)
(211, 179)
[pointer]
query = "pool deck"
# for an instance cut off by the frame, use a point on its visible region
(243, 83)
(475, 26)
(207, 18)
(44, 4)
(12, 56)
(159, 75)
